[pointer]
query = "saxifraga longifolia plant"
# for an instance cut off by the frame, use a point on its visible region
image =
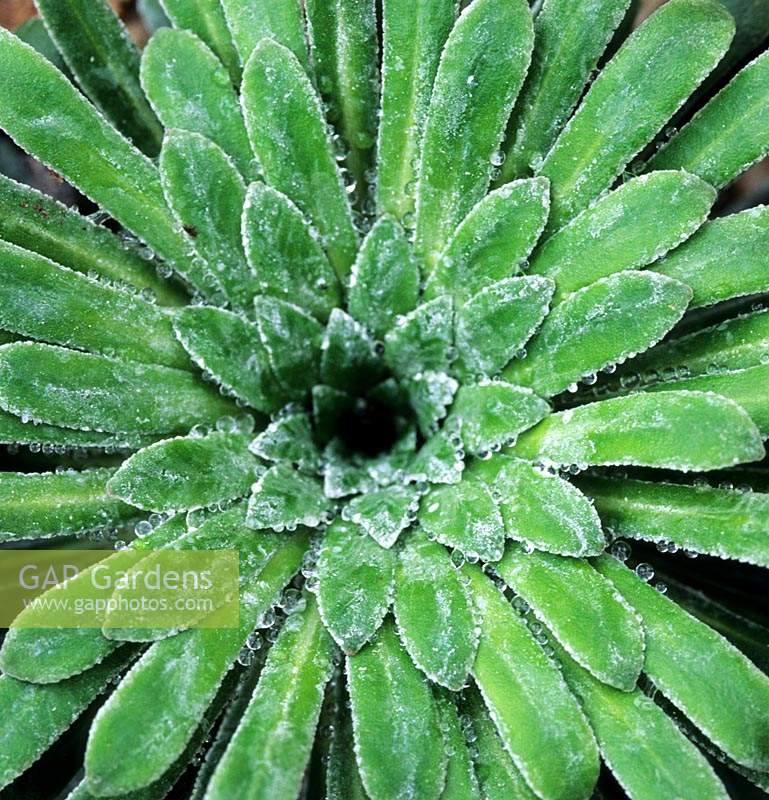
(426, 317)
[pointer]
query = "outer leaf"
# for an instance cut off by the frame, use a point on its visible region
(88, 392)
(385, 513)
(83, 147)
(422, 340)
(645, 83)
(291, 142)
(385, 277)
(481, 70)
(100, 53)
(491, 414)
(744, 386)
(729, 134)
(205, 18)
(181, 696)
(267, 755)
(723, 694)
(250, 21)
(186, 473)
(281, 325)
(413, 36)
(461, 780)
(597, 627)
(464, 516)
(724, 259)
(42, 300)
(345, 55)
(230, 348)
(642, 746)
(648, 431)
(542, 510)
(398, 742)
(46, 505)
(540, 722)
(209, 215)
(355, 584)
(35, 716)
(493, 241)
(39, 223)
(628, 228)
(569, 39)
(283, 498)
(436, 619)
(515, 306)
(701, 519)
(287, 260)
(37, 654)
(288, 438)
(607, 322)
(190, 90)
(342, 777)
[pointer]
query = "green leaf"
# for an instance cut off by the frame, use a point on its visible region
(343, 474)
(190, 90)
(461, 780)
(103, 58)
(493, 241)
(422, 341)
(480, 73)
(413, 35)
(267, 755)
(647, 431)
(597, 627)
(34, 33)
(355, 584)
(180, 696)
(569, 39)
(747, 387)
(349, 359)
(229, 348)
(431, 393)
(434, 613)
(345, 58)
(41, 300)
(39, 223)
(498, 777)
(542, 510)
(729, 134)
(209, 215)
(541, 724)
(286, 258)
(32, 652)
(383, 514)
(35, 716)
(724, 694)
(186, 473)
(83, 147)
(283, 498)
(398, 742)
(384, 283)
(291, 141)
(629, 228)
(637, 92)
(289, 438)
(491, 414)
(724, 259)
(516, 306)
(342, 779)
(205, 18)
(250, 21)
(643, 747)
(79, 390)
(43, 505)
(281, 325)
(720, 522)
(598, 326)
(464, 516)
(440, 459)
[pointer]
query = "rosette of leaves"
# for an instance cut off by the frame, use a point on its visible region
(404, 305)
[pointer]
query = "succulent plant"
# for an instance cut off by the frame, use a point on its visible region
(425, 318)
